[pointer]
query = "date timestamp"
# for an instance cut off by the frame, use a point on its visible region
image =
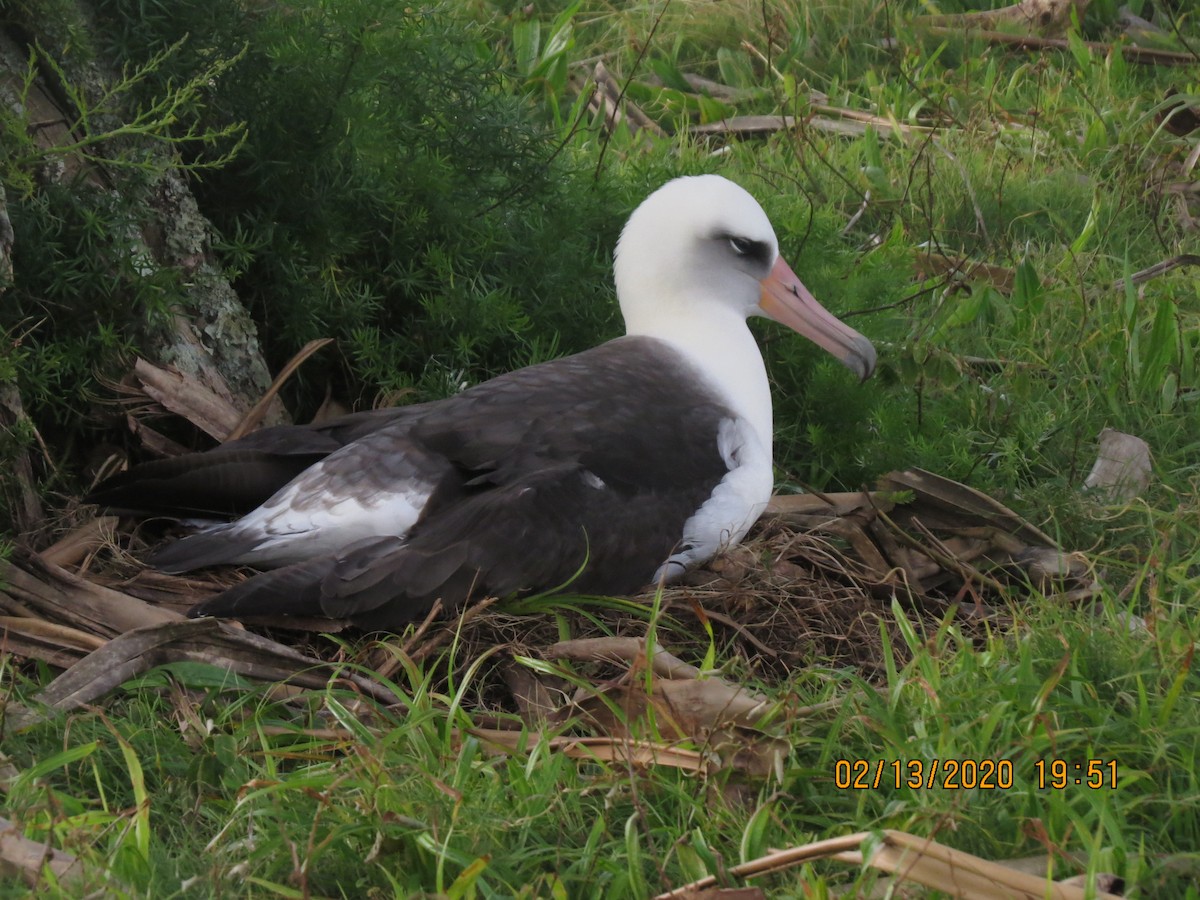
(971, 774)
(950, 774)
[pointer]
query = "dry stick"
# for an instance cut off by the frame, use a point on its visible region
(64, 634)
(78, 543)
(26, 858)
(910, 858)
(251, 419)
(740, 629)
(617, 649)
(335, 735)
(850, 126)
(1042, 16)
(866, 202)
(1144, 55)
(1159, 268)
(966, 572)
(421, 653)
(641, 121)
(391, 662)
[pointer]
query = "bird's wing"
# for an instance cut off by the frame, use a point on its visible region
(554, 527)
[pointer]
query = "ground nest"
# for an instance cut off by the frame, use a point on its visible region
(814, 586)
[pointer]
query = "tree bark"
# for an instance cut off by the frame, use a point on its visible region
(212, 337)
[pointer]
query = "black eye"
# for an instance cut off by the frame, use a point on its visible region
(748, 248)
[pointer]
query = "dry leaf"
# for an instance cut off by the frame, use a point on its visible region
(640, 754)
(1048, 17)
(721, 717)
(1123, 468)
(27, 859)
(211, 641)
(211, 413)
(910, 858)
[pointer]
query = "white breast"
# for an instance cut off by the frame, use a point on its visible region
(735, 504)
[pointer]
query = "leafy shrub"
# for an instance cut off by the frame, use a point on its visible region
(392, 193)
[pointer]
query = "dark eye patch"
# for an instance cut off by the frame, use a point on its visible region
(758, 251)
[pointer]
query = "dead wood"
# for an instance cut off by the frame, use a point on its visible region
(909, 858)
(750, 126)
(32, 587)
(1159, 268)
(1046, 17)
(217, 643)
(29, 860)
(79, 543)
(57, 645)
(212, 412)
(627, 650)
(1142, 55)
(609, 101)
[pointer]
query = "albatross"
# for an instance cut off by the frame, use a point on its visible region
(620, 467)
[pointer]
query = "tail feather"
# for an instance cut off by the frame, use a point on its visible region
(214, 547)
(236, 477)
(294, 590)
(369, 583)
(217, 484)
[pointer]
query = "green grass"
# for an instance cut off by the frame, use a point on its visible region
(1050, 164)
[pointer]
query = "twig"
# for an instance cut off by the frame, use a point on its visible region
(740, 629)
(862, 208)
(423, 652)
(251, 419)
(1143, 55)
(1159, 268)
(852, 126)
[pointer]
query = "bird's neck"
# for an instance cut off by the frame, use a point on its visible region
(722, 348)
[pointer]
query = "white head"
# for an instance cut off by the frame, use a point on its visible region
(703, 247)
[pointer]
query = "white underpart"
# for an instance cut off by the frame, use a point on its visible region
(286, 529)
(735, 505)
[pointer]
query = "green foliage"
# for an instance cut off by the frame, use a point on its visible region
(83, 283)
(103, 131)
(80, 290)
(255, 793)
(391, 193)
